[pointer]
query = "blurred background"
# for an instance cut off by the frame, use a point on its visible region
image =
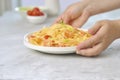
(8, 5)
(7, 8)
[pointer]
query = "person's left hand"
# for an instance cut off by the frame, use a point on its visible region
(104, 33)
(76, 14)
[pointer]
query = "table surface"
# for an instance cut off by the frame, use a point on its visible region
(20, 63)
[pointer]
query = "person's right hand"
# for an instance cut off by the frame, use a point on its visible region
(76, 14)
(103, 34)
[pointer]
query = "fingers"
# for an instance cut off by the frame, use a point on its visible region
(80, 20)
(92, 51)
(97, 26)
(93, 30)
(89, 43)
(58, 19)
(92, 46)
(74, 18)
(95, 39)
(64, 17)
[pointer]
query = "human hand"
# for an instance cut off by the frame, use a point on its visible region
(104, 33)
(78, 13)
(75, 15)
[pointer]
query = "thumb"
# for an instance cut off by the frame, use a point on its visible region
(93, 30)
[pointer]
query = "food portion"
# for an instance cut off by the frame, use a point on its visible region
(58, 35)
(35, 12)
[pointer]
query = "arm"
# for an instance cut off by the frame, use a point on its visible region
(100, 6)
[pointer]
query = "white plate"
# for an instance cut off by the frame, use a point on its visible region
(51, 50)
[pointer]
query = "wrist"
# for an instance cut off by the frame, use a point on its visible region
(97, 6)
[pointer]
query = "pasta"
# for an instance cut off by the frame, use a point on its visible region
(58, 35)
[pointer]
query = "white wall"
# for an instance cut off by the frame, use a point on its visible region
(32, 2)
(15, 3)
(63, 3)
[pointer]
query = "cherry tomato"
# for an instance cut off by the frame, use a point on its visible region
(36, 9)
(29, 12)
(35, 12)
(41, 13)
(38, 13)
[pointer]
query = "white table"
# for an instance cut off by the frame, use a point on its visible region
(20, 63)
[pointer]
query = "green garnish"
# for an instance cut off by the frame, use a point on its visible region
(25, 8)
(61, 22)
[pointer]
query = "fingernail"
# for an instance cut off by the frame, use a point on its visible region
(77, 52)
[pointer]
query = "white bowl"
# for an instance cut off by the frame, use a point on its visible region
(37, 19)
(23, 10)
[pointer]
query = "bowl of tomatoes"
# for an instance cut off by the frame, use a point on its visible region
(36, 16)
(23, 10)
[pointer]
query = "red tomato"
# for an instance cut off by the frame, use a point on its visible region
(36, 9)
(41, 13)
(38, 13)
(47, 36)
(35, 12)
(29, 12)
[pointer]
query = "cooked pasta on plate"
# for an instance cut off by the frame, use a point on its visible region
(59, 38)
